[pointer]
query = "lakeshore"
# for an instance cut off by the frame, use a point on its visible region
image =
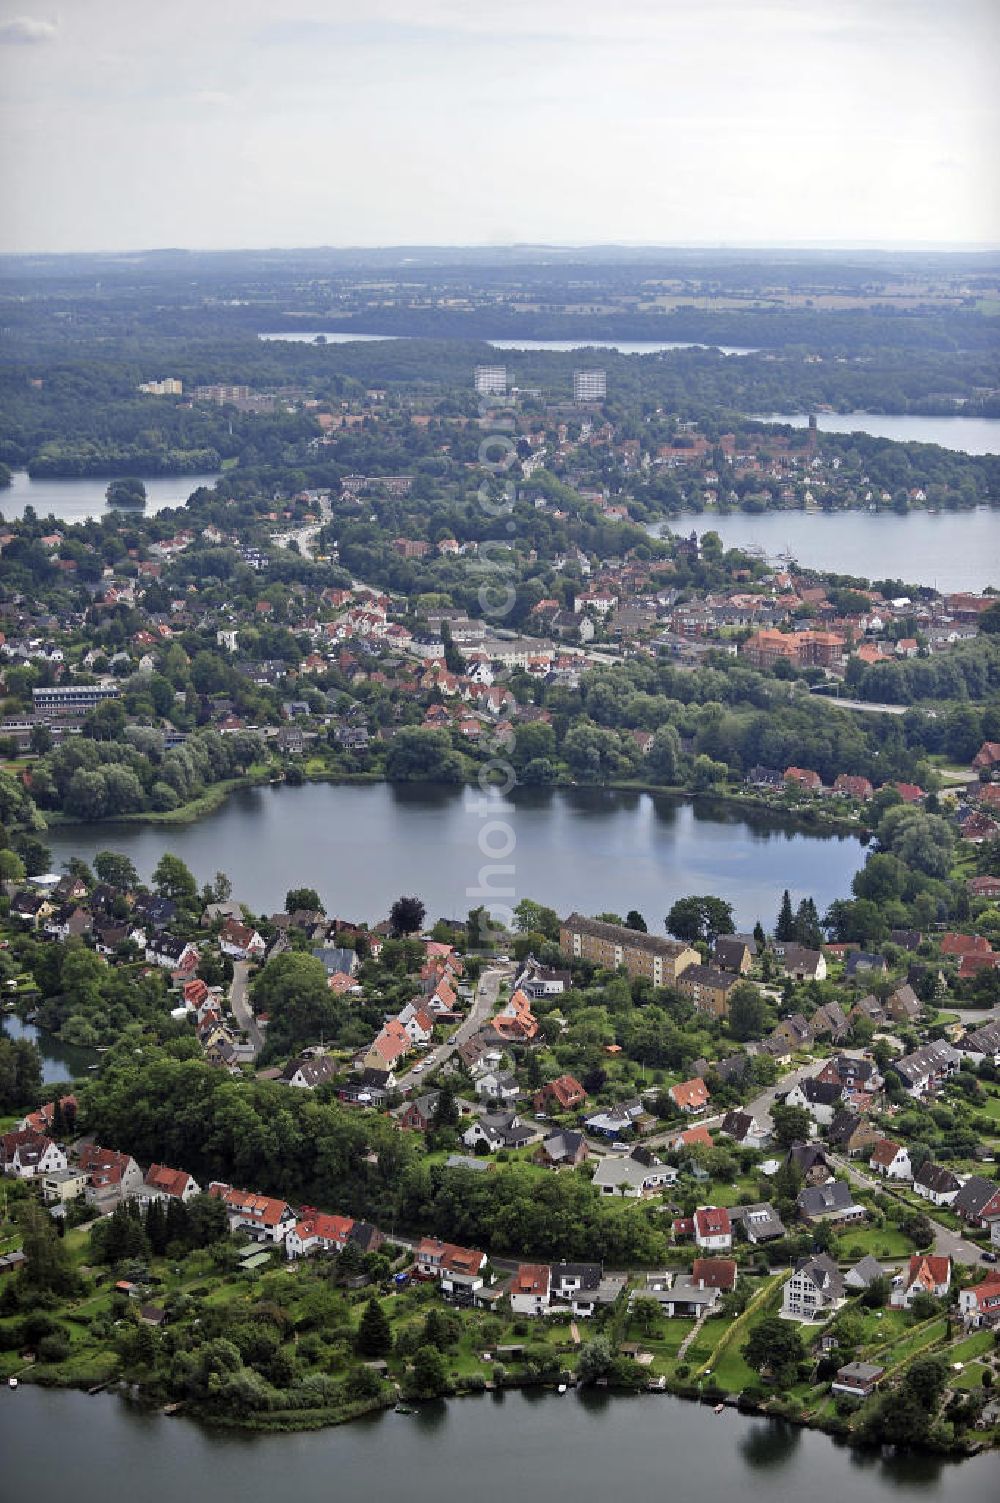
(361, 842)
(513, 1441)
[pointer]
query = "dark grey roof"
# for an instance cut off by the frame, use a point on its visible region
(588, 1274)
(822, 1200)
(937, 1177)
(864, 1272)
(974, 1194)
(824, 1273)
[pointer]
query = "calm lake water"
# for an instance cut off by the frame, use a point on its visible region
(489, 1449)
(949, 550)
(59, 1061)
(77, 500)
(971, 435)
(623, 346)
(592, 849)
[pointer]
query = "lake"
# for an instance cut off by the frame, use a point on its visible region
(971, 435)
(490, 1449)
(59, 1061)
(949, 550)
(80, 498)
(563, 346)
(592, 849)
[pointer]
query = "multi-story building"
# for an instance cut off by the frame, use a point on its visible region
(806, 649)
(221, 393)
(72, 699)
(815, 1289)
(612, 945)
(491, 380)
(589, 386)
(168, 387)
(708, 988)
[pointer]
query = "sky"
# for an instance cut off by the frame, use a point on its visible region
(128, 124)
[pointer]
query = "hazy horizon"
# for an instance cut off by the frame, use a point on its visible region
(718, 247)
(823, 124)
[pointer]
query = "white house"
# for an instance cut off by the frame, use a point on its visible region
(27, 1154)
(713, 1229)
(631, 1178)
(318, 1232)
(980, 1304)
(262, 1216)
(499, 1086)
(815, 1289)
(936, 1183)
(925, 1069)
(926, 1274)
(161, 1183)
(820, 1099)
(418, 1022)
(173, 954)
(531, 1289)
(891, 1159)
(241, 941)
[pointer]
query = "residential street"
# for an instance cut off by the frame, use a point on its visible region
(239, 1001)
(946, 1242)
(484, 1002)
(759, 1107)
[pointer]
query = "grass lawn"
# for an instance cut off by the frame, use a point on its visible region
(970, 1376)
(880, 1241)
(923, 1337)
(973, 1346)
(880, 1333)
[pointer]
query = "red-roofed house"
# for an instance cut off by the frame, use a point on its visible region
(391, 1045)
(892, 1160)
(111, 1176)
(531, 1289)
(692, 1096)
(318, 1232)
(241, 941)
(693, 1137)
(910, 793)
(965, 944)
(41, 1120)
(26, 1154)
(805, 778)
(714, 1273)
(980, 1304)
(195, 993)
(988, 755)
(561, 1095)
(853, 787)
(265, 1218)
(456, 1268)
(162, 1183)
(926, 1275)
(712, 1228)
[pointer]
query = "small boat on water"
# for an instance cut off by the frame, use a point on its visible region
(11, 1382)
(403, 1409)
(718, 1409)
(561, 1388)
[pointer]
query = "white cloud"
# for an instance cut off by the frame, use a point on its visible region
(213, 98)
(25, 31)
